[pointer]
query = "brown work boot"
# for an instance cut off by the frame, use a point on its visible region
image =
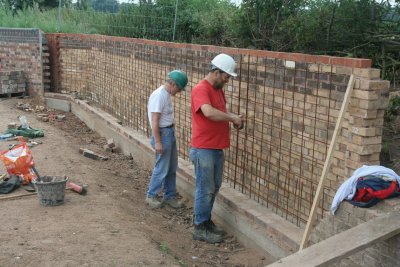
(215, 229)
(173, 203)
(203, 233)
(153, 202)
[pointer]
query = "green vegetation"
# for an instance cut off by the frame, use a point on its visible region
(34, 17)
(349, 28)
(182, 263)
(393, 108)
(164, 248)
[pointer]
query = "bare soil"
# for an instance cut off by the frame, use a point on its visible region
(111, 225)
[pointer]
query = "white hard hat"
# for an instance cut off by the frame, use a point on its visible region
(225, 63)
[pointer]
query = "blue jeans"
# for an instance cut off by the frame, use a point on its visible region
(164, 172)
(209, 168)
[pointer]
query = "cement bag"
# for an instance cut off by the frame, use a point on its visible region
(19, 161)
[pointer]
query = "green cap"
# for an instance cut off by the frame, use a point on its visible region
(179, 77)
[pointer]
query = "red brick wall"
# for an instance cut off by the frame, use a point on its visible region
(21, 49)
(291, 102)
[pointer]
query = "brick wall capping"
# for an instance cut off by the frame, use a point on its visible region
(336, 61)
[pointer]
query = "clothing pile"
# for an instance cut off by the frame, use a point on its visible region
(367, 186)
(26, 132)
(7, 185)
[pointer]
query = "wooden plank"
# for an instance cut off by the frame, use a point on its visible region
(344, 244)
(11, 197)
(325, 170)
(17, 196)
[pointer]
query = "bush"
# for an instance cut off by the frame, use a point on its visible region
(393, 108)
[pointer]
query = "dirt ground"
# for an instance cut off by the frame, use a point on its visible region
(111, 225)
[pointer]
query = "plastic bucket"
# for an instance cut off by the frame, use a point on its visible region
(51, 190)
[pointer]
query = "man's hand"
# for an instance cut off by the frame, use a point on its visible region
(239, 124)
(158, 147)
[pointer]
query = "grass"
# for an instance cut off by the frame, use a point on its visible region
(182, 263)
(72, 21)
(164, 248)
(46, 20)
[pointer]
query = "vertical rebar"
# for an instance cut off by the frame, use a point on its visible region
(244, 165)
(237, 134)
(271, 131)
(261, 141)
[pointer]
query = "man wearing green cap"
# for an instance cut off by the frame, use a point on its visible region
(161, 117)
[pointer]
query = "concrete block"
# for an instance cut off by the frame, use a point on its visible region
(90, 154)
(58, 104)
(12, 125)
(60, 117)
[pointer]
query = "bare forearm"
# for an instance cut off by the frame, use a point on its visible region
(156, 133)
(155, 126)
(217, 115)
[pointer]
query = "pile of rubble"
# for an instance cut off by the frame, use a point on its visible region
(44, 114)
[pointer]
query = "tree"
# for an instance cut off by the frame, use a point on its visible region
(260, 23)
(16, 5)
(82, 4)
(111, 6)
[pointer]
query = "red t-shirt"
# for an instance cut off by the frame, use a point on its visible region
(205, 132)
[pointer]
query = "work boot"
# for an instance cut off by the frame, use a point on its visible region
(173, 203)
(215, 229)
(153, 202)
(203, 233)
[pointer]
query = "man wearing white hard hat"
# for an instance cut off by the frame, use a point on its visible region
(210, 135)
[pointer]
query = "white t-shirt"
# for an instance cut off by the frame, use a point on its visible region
(160, 101)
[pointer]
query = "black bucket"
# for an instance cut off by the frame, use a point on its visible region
(51, 190)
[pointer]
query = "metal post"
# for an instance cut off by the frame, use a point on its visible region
(176, 14)
(59, 16)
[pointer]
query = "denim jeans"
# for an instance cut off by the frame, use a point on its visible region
(164, 172)
(208, 167)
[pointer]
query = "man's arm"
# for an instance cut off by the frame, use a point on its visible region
(155, 123)
(217, 115)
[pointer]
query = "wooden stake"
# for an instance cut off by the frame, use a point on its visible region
(25, 195)
(327, 164)
(17, 196)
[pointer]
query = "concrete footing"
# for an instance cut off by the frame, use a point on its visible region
(253, 224)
